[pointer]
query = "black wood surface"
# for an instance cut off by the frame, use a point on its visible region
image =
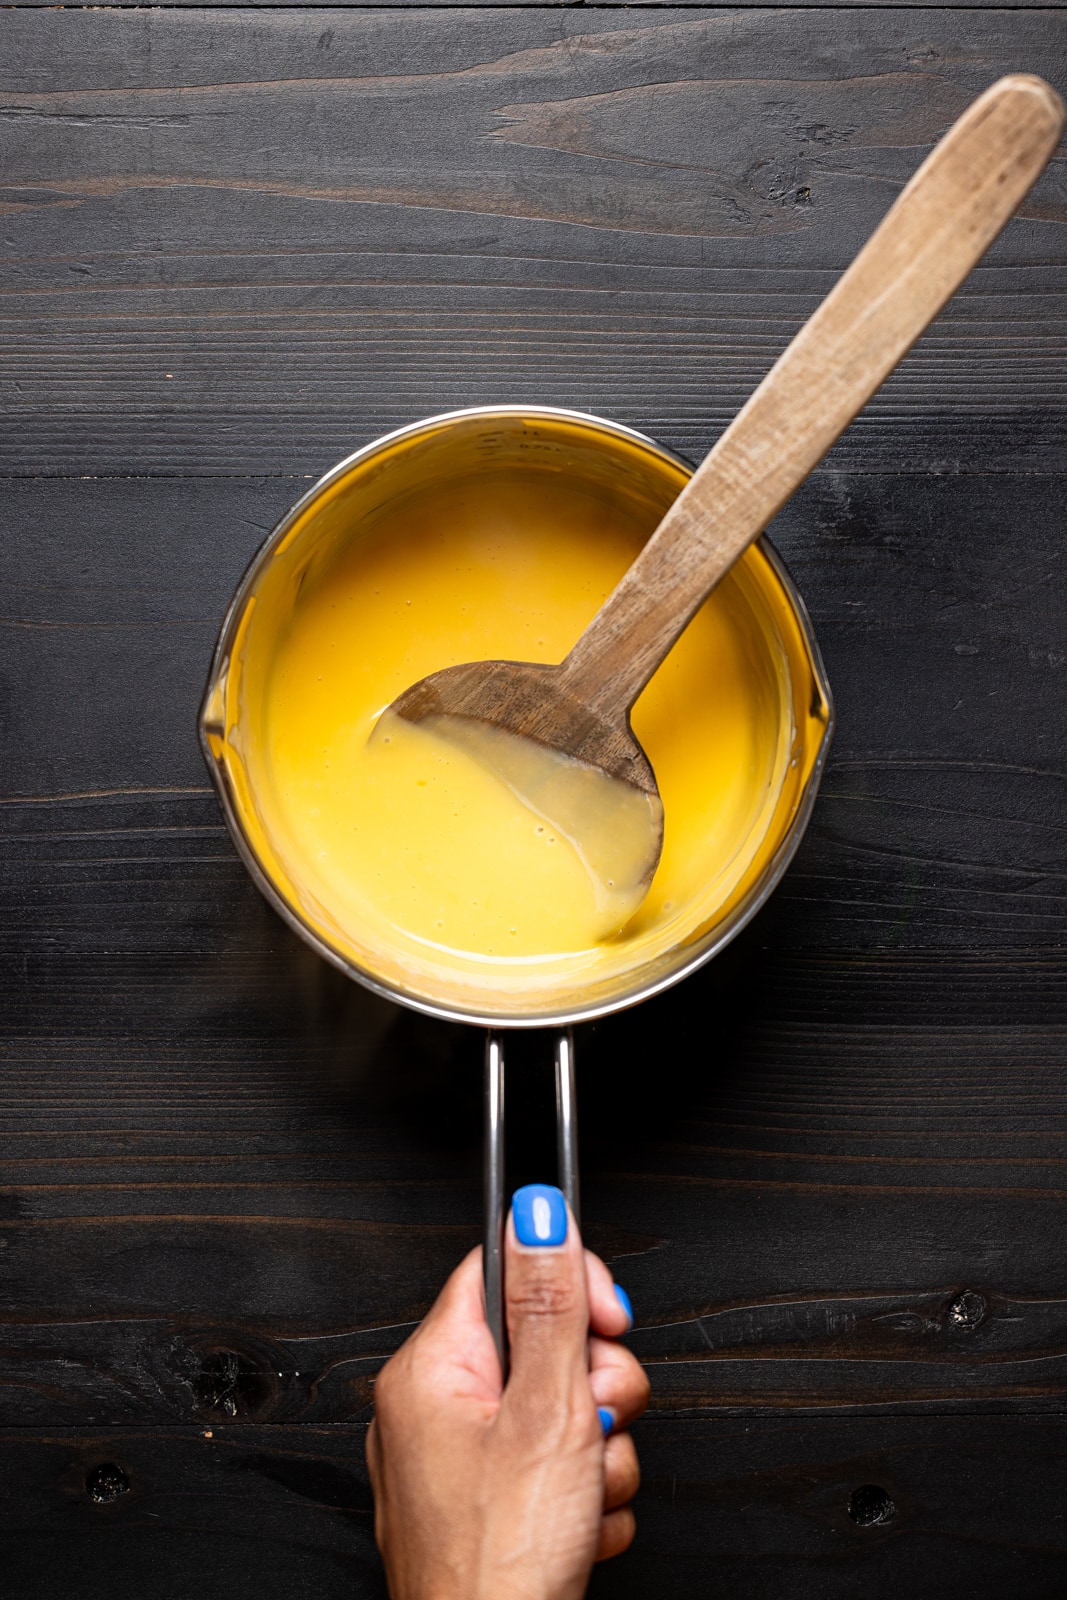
(831, 1168)
(244, 242)
(738, 1509)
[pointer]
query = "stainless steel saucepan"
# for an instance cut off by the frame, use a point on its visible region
(624, 469)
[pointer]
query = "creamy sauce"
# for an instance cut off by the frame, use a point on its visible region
(410, 857)
(451, 855)
(609, 830)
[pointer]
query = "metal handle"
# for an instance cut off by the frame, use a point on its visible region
(567, 1157)
(567, 1122)
(493, 1254)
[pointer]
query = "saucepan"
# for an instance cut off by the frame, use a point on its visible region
(524, 459)
(483, 500)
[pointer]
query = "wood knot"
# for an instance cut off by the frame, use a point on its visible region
(967, 1309)
(225, 1374)
(870, 1506)
(106, 1483)
(230, 1385)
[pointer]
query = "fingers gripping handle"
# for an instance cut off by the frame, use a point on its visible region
(567, 1154)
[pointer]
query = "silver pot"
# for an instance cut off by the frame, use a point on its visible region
(604, 458)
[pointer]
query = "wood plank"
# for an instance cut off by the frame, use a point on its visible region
(240, 241)
(602, 5)
(272, 1511)
(244, 240)
(746, 1511)
(938, 603)
(750, 1512)
(200, 1115)
(232, 1184)
(852, 1103)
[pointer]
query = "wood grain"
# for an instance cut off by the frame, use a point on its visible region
(727, 1510)
(218, 1514)
(749, 1510)
(232, 1185)
(938, 603)
(242, 241)
(604, 5)
(949, 213)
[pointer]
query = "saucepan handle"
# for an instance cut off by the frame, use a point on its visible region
(567, 1158)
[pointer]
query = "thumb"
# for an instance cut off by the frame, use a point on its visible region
(547, 1304)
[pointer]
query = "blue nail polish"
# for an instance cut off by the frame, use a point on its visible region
(540, 1214)
(624, 1300)
(607, 1421)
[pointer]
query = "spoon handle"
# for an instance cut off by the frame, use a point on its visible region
(940, 226)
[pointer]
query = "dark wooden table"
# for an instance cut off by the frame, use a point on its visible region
(242, 241)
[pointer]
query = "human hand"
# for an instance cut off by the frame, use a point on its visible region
(485, 1491)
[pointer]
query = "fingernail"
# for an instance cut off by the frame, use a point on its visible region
(607, 1419)
(540, 1214)
(624, 1300)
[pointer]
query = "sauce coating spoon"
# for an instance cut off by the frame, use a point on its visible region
(559, 736)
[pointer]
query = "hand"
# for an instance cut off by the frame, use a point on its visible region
(490, 1492)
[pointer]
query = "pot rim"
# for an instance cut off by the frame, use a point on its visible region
(741, 914)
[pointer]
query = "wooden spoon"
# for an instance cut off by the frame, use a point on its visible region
(560, 736)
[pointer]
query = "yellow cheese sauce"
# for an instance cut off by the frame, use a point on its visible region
(406, 855)
(512, 848)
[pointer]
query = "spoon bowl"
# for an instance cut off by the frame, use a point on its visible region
(584, 774)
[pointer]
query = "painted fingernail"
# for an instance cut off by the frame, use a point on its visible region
(607, 1419)
(624, 1300)
(540, 1214)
